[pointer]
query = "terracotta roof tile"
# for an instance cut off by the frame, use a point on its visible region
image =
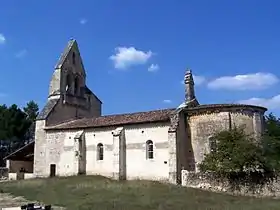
(116, 120)
(245, 106)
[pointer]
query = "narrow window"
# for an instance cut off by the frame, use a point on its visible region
(74, 58)
(100, 151)
(149, 149)
(212, 144)
(76, 85)
(68, 83)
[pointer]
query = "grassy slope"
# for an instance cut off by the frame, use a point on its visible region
(93, 192)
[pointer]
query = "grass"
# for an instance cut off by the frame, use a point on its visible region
(95, 192)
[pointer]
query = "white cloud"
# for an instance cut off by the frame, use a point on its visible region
(21, 53)
(198, 80)
(270, 103)
(153, 68)
(255, 81)
(83, 21)
(129, 56)
(2, 39)
(167, 101)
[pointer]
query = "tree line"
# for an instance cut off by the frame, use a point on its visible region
(241, 158)
(16, 127)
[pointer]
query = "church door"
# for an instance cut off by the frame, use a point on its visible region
(52, 170)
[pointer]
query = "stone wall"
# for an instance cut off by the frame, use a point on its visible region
(205, 123)
(64, 112)
(59, 149)
(40, 164)
(209, 182)
(16, 176)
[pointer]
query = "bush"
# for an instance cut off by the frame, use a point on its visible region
(240, 157)
(271, 141)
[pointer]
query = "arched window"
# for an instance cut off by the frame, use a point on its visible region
(76, 90)
(68, 83)
(100, 151)
(149, 149)
(74, 58)
(212, 144)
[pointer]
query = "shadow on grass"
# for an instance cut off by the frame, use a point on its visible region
(96, 192)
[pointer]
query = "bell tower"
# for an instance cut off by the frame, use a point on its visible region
(68, 94)
(69, 77)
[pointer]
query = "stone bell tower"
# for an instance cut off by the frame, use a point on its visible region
(69, 97)
(69, 77)
(190, 97)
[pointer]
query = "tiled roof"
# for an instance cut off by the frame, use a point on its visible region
(211, 106)
(143, 117)
(116, 120)
(47, 109)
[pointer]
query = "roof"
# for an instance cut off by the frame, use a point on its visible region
(145, 117)
(23, 153)
(65, 53)
(116, 120)
(47, 109)
(217, 106)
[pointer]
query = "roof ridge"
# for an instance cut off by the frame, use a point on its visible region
(130, 113)
(117, 119)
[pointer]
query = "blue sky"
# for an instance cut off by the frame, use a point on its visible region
(136, 52)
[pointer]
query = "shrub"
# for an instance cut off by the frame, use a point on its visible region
(238, 156)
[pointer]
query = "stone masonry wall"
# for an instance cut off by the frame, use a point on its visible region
(40, 149)
(207, 182)
(61, 151)
(202, 127)
(205, 125)
(64, 112)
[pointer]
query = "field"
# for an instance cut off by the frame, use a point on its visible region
(94, 192)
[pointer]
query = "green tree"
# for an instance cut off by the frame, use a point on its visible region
(3, 131)
(15, 124)
(236, 152)
(271, 141)
(31, 110)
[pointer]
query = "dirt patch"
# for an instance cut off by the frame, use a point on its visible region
(7, 200)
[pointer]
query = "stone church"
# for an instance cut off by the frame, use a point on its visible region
(73, 137)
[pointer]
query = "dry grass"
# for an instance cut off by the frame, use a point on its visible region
(94, 192)
(6, 200)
